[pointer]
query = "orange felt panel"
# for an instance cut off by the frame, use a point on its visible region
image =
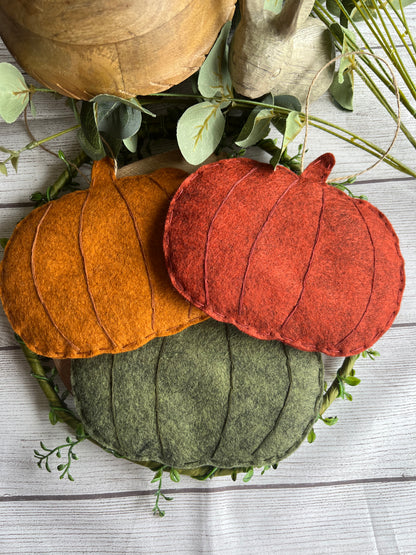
(85, 274)
(284, 256)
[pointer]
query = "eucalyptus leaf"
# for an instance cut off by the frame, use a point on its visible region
(352, 380)
(248, 475)
(287, 101)
(118, 120)
(343, 93)
(342, 87)
(294, 125)
(199, 131)
(214, 79)
(311, 436)
(333, 7)
(349, 7)
(275, 159)
(14, 160)
(95, 153)
(131, 143)
(14, 93)
(132, 102)
(89, 125)
(346, 61)
(112, 145)
(256, 127)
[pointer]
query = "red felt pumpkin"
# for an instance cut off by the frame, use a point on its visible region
(284, 256)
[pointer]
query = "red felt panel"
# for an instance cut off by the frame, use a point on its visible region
(283, 256)
(285, 237)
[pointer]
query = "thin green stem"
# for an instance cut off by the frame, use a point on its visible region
(393, 53)
(319, 123)
(34, 144)
(397, 30)
(33, 89)
(403, 20)
(388, 47)
(333, 391)
(381, 71)
(363, 73)
(366, 44)
(384, 102)
(383, 75)
(374, 150)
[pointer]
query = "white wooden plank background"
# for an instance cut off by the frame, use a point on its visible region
(352, 491)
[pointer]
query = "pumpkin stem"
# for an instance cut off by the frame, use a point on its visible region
(319, 169)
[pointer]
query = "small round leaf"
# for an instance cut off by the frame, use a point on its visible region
(199, 131)
(14, 93)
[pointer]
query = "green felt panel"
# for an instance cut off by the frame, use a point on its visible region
(209, 395)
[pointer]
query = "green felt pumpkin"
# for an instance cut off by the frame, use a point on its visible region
(207, 396)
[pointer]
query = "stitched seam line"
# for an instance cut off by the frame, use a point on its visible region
(312, 421)
(145, 261)
(317, 235)
(81, 250)
(156, 372)
(36, 284)
(253, 246)
(209, 231)
(159, 186)
(128, 346)
(279, 416)
(112, 402)
(231, 386)
(372, 281)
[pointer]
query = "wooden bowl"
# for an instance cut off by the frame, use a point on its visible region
(83, 48)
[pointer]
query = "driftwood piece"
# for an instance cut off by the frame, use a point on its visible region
(280, 53)
(87, 47)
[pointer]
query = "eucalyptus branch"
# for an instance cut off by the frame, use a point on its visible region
(319, 123)
(14, 154)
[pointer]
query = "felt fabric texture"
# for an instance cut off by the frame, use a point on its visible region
(284, 256)
(85, 274)
(210, 395)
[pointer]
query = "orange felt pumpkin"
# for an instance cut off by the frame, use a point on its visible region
(85, 274)
(284, 256)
